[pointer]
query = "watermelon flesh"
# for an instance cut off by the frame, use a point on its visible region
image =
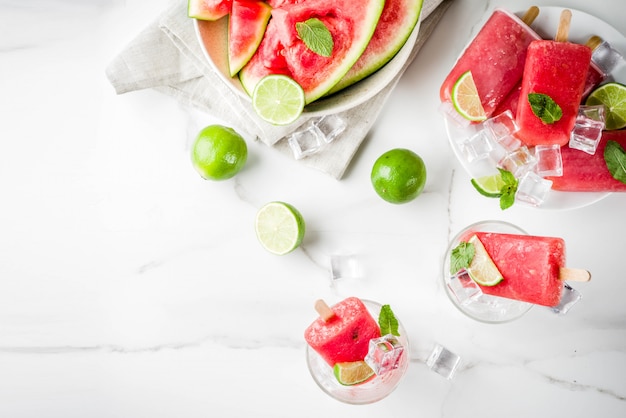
(281, 51)
(394, 27)
(246, 27)
(345, 337)
(583, 172)
(208, 9)
(530, 266)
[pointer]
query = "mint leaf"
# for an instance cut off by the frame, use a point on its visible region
(545, 108)
(387, 321)
(461, 257)
(615, 159)
(508, 190)
(316, 36)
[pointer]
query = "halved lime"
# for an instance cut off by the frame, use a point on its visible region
(466, 100)
(352, 372)
(278, 99)
(613, 97)
(279, 227)
(490, 186)
(482, 268)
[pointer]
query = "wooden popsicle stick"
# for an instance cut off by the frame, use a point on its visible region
(324, 310)
(574, 275)
(530, 15)
(563, 29)
(594, 42)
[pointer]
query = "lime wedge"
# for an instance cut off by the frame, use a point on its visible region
(490, 186)
(482, 268)
(466, 100)
(279, 227)
(613, 97)
(352, 372)
(278, 99)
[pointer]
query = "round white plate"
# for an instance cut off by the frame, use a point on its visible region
(582, 27)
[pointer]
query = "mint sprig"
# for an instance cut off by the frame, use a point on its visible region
(316, 36)
(387, 321)
(461, 257)
(545, 108)
(615, 159)
(508, 190)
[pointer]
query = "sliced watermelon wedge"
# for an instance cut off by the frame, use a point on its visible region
(246, 27)
(394, 27)
(281, 51)
(208, 9)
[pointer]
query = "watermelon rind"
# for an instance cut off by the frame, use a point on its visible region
(396, 23)
(208, 9)
(246, 27)
(368, 11)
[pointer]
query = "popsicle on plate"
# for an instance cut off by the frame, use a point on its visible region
(532, 268)
(495, 57)
(583, 172)
(343, 335)
(554, 74)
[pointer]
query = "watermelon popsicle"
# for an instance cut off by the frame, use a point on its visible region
(583, 172)
(532, 268)
(552, 87)
(495, 58)
(342, 333)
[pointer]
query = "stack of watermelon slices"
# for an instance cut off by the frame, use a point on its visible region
(263, 39)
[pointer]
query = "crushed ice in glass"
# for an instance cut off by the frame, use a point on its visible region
(345, 266)
(464, 288)
(569, 297)
(384, 354)
(532, 189)
(443, 361)
(549, 160)
(587, 131)
(518, 162)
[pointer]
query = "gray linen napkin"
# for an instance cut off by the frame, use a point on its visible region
(167, 56)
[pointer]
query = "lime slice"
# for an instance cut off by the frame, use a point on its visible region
(482, 268)
(352, 372)
(466, 100)
(613, 97)
(490, 186)
(279, 227)
(278, 99)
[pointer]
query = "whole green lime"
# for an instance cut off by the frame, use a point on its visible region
(219, 152)
(399, 175)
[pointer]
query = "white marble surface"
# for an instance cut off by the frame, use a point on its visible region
(130, 287)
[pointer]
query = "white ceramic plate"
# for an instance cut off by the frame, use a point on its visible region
(582, 27)
(213, 38)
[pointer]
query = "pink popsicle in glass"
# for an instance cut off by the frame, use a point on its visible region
(557, 69)
(532, 267)
(495, 57)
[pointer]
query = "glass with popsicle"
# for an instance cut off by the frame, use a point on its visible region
(353, 357)
(495, 272)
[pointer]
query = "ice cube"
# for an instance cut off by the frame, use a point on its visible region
(549, 160)
(464, 288)
(587, 131)
(443, 361)
(345, 266)
(330, 127)
(569, 297)
(532, 189)
(384, 354)
(305, 141)
(518, 162)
